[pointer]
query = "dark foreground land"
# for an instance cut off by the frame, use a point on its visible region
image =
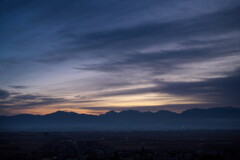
(157, 145)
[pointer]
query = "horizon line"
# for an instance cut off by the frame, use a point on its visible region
(68, 111)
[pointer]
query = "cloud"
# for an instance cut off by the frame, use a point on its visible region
(130, 39)
(203, 38)
(4, 94)
(219, 90)
(43, 102)
(130, 92)
(28, 102)
(165, 32)
(165, 60)
(28, 97)
(19, 87)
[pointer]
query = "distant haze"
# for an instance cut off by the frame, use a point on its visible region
(131, 120)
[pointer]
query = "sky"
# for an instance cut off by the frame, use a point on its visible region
(100, 55)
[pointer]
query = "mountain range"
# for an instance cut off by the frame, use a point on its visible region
(130, 120)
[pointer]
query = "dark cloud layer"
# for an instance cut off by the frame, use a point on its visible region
(210, 24)
(27, 97)
(125, 40)
(19, 87)
(28, 101)
(219, 90)
(4, 94)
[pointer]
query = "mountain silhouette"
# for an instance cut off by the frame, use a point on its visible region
(213, 118)
(225, 112)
